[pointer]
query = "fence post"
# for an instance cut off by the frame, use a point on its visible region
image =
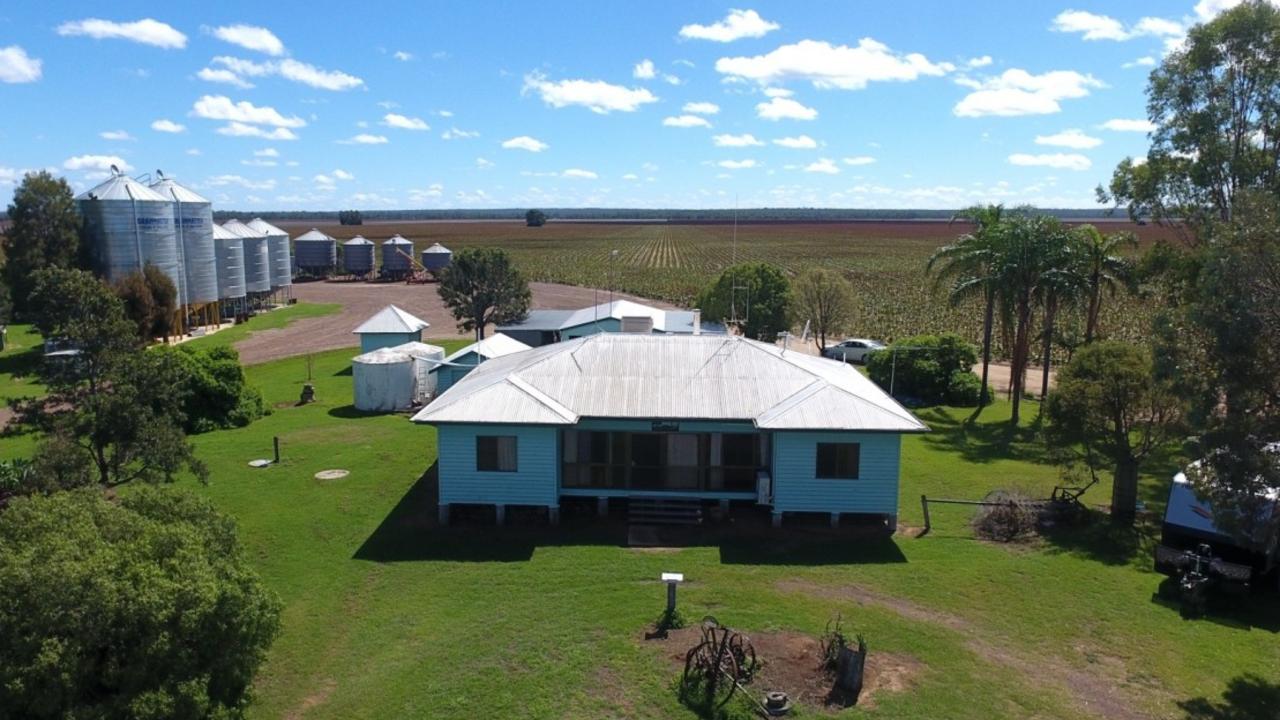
(924, 505)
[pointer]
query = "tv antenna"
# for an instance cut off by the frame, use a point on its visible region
(734, 287)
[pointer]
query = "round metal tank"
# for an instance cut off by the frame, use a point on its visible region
(315, 252)
(257, 257)
(193, 219)
(127, 226)
(436, 257)
(277, 251)
(383, 380)
(230, 253)
(357, 256)
(393, 261)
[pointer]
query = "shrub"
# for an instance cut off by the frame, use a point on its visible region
(932, 369)
(217, 395)
(1015, 517)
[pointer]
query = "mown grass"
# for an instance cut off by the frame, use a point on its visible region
(387, 616)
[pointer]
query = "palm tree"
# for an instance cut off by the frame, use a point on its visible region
(968, 263)
(1105, 270)
(1021, 272)
(1062, 284)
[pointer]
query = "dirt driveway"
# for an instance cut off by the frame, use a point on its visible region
(360, 300)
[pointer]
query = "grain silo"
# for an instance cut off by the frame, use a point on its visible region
(193, 220)
(231, 287)
(278, 254)
(357, 256)
(397, 256)
(315, 253)
(436, 257)
(257, 258)
(128, 225)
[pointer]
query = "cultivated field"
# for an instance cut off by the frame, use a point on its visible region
(673, 262)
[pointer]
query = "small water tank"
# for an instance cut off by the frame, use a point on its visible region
(128, 225)
(436, 257)
(397, 254)
(230, 253)
(278, 254)
(257, 256)
(315, 253)
(357, 256)
(383, 380)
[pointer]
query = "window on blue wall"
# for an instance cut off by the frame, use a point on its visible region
(838, 461)
(496, 453)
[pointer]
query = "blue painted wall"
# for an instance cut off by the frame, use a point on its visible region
(374, 341)
(797, 489)
(603, 325)
(536, 481)
(446, 376)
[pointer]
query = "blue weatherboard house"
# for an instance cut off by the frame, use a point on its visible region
(457, 365)
(543, 327)
(694, 417)
(390, 327)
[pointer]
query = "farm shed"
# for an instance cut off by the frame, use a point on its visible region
(542, 327)
(463, 361)
(389, 327)
(684, 418)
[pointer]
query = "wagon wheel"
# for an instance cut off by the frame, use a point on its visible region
(744, 653)
(716, 668)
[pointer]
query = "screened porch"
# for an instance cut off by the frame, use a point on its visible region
(694, 462)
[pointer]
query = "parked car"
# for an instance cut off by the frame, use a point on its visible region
(853, 350)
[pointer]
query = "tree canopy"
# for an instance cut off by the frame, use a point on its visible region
(143, 607)
(755, 295)
(44, 232)
(535, 218)
(481, 286)
(824, 299)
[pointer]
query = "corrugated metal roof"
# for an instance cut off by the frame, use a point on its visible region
(437, 248)
(397, 240)
(494, 346)
(391, 319)
(616, 375)
(421, 350)
(663, 320)
(358, 240)
(221, 233)
(266, 227)
(312, 235)
(172, 189)
(235, 227)
(382, 356)
(122, 187)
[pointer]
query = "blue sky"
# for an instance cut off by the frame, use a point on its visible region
(656, 104)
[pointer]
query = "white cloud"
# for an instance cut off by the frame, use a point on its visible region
(365, 139)
(822, 165)
(239, 129)
(671, 79)
(96, 162)
(288, 69)
(686, 121)
(1018, 92)
(1129, 125)
(736, 25)
(251, 37)
(1073, 138)
(433, 191)
(1064, 161)
(1207, 10)
(222, 75)
(1092, 26)
(832, 66)
(579, 173)
(778, 92)
(598, 96)
(978, 62)
(737, 164)
(195, 152)
(145, 31)
(166, 125)
(219, 180)
(404, 122)
(221, 107)
(744, 140)
(859, 160)
(780, 108)
(16, 66)
(341, 174)
(266, 152)
(402, 56)
(644, 70)
(799, 142)
(1144, 61)
(259, 162)
(444, 113)
(115, 135)
(524, 142)
(456, 134)
(325, 181)
(701, 108)
(631, 177)
(483, 163)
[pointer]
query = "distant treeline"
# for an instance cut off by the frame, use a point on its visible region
(652, 215)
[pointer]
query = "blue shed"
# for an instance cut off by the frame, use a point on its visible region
(457, 365)
(390, 327)
(681, 418)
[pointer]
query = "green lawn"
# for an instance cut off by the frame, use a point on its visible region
(388, 616)
(18, 363)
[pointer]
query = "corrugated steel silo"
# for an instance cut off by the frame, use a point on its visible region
(392, 259)
(193, 220)
(230, 252)
(357, 256)
(257, 258)
(278, 252)
(128, 225)
(315, 252)
(436, 257)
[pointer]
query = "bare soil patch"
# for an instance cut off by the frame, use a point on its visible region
(317, 698)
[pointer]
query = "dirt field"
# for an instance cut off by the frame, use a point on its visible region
(361, 300)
